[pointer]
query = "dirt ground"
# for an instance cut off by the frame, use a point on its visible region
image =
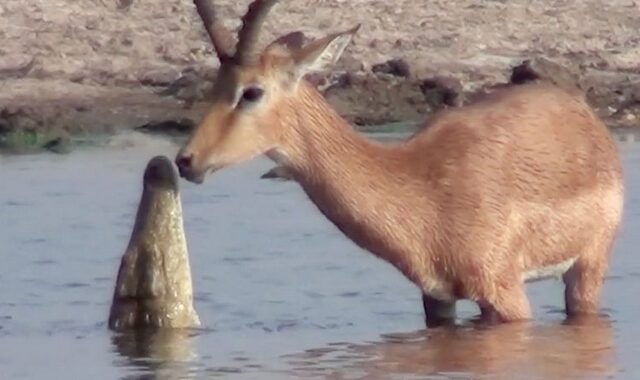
(101, 65)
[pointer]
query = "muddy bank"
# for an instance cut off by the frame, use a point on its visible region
(97, 66)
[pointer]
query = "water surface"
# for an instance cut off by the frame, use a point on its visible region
(281, 293)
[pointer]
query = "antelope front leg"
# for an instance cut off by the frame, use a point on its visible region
(438, 313)
(508, 304)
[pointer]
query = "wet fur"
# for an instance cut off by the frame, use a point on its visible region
(515, 185)
(523, 180)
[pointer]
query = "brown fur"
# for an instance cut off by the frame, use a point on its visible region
(469, 207)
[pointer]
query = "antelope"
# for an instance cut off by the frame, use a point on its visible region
(524, 184)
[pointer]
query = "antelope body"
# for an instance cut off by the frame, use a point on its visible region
(521, 185)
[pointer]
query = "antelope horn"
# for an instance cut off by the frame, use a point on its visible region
(251, 23)
(220, 36)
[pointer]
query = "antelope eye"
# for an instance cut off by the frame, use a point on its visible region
(252, 94)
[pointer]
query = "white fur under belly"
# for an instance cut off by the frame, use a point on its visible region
(442, 291)
(555, 270)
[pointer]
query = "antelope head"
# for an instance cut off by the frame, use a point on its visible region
(254, 92)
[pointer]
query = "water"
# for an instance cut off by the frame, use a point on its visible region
(281, 293)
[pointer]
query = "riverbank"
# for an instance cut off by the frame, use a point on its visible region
(98, 66)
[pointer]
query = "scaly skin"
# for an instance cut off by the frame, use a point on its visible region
(154, 287)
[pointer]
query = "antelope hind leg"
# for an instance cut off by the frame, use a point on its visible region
(583, 285)
(584, 280)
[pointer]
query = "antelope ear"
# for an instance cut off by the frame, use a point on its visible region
(292, 41)
(322, 53)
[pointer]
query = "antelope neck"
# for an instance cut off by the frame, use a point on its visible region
(359, 184)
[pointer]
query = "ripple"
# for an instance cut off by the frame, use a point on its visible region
(287, 324)
(75, 285)
(314, 295)
(213, 371)
(606, 312)
(81, 227)
(339, 344)
(553, 309)
(317, 352)
(406, 337)
(332, 326)
(239, 259)
(12, 203)
(78, 303)
(39, 240)
(57, 194)
(129, 214)
(35, 280)
(258, 325)
(202, 297)
(362, 272)
(45, 262)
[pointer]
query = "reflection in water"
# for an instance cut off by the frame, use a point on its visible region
(339, 293)
(157, 354)
(569, 350)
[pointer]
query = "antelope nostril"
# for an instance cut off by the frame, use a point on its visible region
(184, 161)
